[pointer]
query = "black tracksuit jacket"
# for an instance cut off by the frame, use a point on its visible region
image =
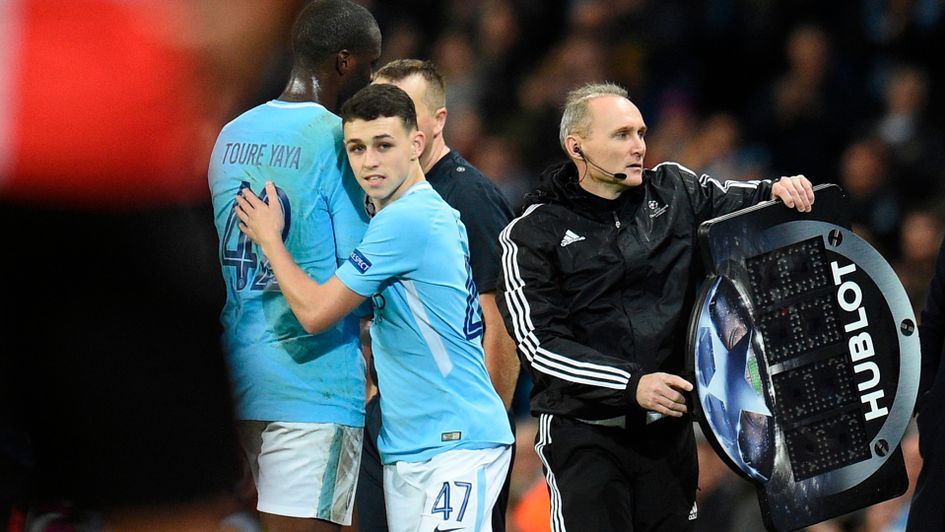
(927, 512)
(598, 292)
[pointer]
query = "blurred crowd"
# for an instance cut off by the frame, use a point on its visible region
(847, 92)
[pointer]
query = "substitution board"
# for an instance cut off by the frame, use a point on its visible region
(805, 355)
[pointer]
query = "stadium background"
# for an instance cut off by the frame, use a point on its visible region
(847, 91)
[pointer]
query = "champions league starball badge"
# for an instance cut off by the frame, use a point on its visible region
(805, 353)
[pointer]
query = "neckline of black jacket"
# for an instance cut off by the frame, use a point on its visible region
(559, 185)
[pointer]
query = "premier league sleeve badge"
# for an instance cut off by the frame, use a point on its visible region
(805, 354)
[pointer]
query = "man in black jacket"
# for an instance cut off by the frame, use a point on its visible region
(598, 278)
(927, 512)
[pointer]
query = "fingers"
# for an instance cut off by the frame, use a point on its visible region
(803, 192)
(275, 204)
(808, 189)
(243, 208)
(660, 392)
(247, 202)
(675, 397)
(796, 192)
(248, 209)
(249, 197)
(678, 383)
(671, 408)
(671, 399)
(667, 407)
(247, 231)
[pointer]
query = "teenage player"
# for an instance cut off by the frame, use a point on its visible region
(484, 213)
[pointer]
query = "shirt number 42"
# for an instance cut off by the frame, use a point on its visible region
(237, 251)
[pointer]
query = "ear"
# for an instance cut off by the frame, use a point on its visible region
(418, 142)
(440, 117)
(344, 62)
(573, 146)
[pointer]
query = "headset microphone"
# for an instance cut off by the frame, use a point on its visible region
(620, 175)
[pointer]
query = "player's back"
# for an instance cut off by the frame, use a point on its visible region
(277, 365)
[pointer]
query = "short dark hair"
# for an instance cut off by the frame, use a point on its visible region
(380, 100)
(325, 27)
(399, 69)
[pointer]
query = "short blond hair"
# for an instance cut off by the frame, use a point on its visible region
(401, 69)
(576, 118)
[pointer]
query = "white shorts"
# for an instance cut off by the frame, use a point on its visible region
(304, 469)
(454, 490)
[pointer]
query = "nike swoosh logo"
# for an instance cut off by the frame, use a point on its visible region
(438, 529)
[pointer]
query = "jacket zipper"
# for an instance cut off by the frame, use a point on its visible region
(616, 220)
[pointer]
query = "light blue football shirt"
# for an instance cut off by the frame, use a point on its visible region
(435, 392)
(280, 372)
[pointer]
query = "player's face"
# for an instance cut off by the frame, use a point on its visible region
(383, 155)
(615, 141)
(416, 87)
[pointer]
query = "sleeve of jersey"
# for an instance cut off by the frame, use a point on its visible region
(484, 216)
(712, 197)
(534, 312)
(348, 219)
(387, 252)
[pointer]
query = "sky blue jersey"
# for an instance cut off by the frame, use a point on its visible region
(280, 372)
(435, 392)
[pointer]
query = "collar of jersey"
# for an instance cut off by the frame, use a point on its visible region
(293, 105)
(416, 187)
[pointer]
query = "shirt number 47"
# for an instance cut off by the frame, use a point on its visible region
(442, 504)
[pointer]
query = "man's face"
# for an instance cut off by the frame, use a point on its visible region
(382, 154)
(615, 140)
(416, 87)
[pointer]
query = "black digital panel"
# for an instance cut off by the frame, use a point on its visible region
(797, 310)
(810, 391)
(788, 272)
(805, 368)
(827, 445)
(799, 328)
